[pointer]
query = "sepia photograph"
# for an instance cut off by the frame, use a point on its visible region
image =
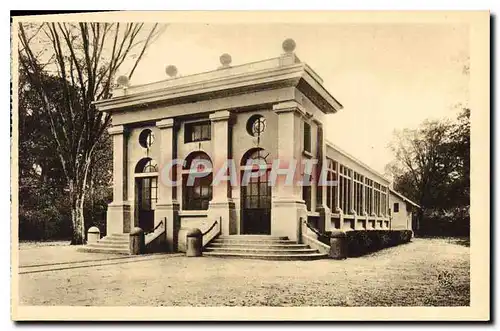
(201, 166)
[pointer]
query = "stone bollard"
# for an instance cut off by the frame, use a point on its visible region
(137, 244)
(93, 235)
(193, 242)
(338, 245)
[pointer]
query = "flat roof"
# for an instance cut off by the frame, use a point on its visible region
(283, 71)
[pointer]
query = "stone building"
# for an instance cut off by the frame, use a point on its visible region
(268, 110)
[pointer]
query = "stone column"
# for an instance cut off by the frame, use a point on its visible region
(337, 198)
(221, 207)
(351, 196)
(353, 202)
(287, 205)
(118, 214)
(167, 207)
(325, 214)
(363, 198)
(380, 217)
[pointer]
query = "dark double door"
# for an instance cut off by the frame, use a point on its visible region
(256, 206)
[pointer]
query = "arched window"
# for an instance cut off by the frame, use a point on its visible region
(197, 182)
(254, 156)
(146, 165)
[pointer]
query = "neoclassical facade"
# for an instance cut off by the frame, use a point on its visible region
(267, 110)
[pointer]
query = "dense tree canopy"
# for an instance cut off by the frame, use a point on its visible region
(65, 67)
(432, 167)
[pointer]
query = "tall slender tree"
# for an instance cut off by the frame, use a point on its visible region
(86, 58)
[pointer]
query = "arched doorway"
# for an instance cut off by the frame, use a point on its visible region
(197, 195)
(255, 193)
(146, 188)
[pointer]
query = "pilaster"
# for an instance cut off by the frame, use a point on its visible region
(221, 207)
(167, 207)
(118, 216)
(287, 204)
(325, 214)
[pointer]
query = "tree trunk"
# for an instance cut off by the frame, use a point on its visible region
(419, 220)
(77, 218)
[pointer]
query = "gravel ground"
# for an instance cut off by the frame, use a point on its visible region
(425, 272)
(57, 253)
(28, 244)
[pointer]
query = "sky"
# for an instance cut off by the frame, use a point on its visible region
(387, 76)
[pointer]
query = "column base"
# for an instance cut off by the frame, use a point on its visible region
(285, 217)
(225, 213)
(170, 213)
(118, 217)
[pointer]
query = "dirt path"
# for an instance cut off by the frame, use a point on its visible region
(426, 272)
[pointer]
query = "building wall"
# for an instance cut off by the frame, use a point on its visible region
(241, 142)
(400, 220)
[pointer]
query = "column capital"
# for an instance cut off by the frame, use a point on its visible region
(318, 122)
(289, 106)
(221, 115)
(116, 129)
(165, 123)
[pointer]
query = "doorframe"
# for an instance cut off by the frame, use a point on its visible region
(138, 190)
(242, 198)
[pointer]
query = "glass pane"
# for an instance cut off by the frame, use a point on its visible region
(204, 191)
(253, 202)
(263, 188)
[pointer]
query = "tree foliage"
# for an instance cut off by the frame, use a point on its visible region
(431, 167)
(69, 66)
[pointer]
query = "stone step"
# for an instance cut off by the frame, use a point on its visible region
(261, 250)
(251, 241)
(261, 256)
(114, 240)
(258, 245)
(110, 243)
(253, 237)
(118, 236)
(99, 249)
(104, 245)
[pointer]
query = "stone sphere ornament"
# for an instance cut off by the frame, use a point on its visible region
(171, 70)
(122, 81)
(225, 60)
(289, 45)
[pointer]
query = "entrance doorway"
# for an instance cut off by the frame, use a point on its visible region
(146, 184)
(146, 202)
(256, 195)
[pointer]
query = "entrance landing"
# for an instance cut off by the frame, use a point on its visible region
(264, 247)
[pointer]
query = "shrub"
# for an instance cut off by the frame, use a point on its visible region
(360, 242)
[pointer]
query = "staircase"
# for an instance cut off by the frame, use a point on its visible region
(112, 244)
(260, 247)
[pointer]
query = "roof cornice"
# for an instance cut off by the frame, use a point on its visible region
(207, 85)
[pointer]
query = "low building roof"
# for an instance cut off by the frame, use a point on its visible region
(405, 199)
